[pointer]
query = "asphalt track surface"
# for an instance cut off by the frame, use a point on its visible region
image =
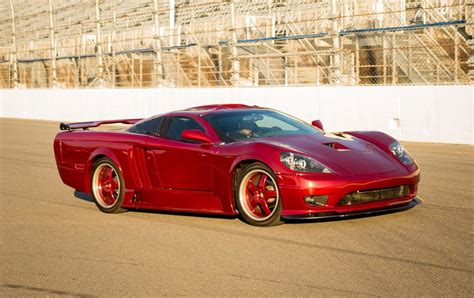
(53, 243)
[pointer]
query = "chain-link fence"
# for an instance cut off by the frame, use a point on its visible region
(151, 43)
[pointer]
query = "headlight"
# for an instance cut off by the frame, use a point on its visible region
(402, 155)
(300, 163)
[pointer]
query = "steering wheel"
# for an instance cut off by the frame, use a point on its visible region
(275, 128)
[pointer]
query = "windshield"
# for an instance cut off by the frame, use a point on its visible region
(238, 125)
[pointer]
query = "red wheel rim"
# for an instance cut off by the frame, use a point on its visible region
(106, 185)
(259, 195)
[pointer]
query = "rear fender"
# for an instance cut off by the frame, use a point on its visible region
(96, 154)
(107, 152)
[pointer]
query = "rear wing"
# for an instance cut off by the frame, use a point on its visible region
(86, 125)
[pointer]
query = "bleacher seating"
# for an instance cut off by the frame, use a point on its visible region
(272, 42)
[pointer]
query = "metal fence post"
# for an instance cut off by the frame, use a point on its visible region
(233, 46)
(54, 79)
(171, 21)
(158, 62)
(336, 56)
(220, 78)
(80, 64)
(98, 41)
(384, 58)
(394, 65)
(199, 66)
(14, 58)
(114, 62)
(456, 57)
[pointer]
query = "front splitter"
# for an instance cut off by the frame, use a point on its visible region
(333, 215)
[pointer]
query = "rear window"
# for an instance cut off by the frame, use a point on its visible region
(148, 127)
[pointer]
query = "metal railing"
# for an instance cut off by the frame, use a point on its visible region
(151, 43)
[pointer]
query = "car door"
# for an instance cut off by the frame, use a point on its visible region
(182, 165)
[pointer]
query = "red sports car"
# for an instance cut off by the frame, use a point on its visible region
(236, 159)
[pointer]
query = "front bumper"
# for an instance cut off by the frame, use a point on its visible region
(334, 215)
(294, 188)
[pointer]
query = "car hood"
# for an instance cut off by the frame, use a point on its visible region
(340, 152)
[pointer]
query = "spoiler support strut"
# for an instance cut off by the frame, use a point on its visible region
(89, 124)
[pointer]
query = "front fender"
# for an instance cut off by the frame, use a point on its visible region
(383, 141)
(380, 139)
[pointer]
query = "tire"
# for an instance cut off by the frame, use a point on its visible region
(107, 186)
(257, 195)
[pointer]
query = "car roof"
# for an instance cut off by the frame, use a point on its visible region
(210, 109)
(219, 107)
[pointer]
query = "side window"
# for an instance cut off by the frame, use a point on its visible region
(178, 125)
(149, 127)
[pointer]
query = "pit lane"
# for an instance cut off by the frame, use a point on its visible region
(53, 242)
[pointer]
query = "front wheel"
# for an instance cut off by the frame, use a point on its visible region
(107, 186)
(258, 197)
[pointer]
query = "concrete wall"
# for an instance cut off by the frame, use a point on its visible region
(410, 113)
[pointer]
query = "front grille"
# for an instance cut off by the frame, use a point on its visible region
(373, 195)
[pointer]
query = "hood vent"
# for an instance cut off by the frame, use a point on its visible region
(337, 146)
(341, 135)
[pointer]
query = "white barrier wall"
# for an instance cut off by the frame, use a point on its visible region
(411, 113)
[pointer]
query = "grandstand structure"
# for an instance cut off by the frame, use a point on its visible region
(211, 43)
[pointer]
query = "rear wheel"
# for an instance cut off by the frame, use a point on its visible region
(258, 197)
(107, 186)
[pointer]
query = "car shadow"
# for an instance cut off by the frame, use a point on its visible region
(346, 217)
(83, 196)
(88, 198)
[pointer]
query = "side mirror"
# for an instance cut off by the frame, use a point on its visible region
(195, 135)
(318, 124)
